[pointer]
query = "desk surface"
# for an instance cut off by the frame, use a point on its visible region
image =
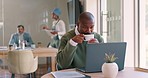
(45, 52)
(40, 52)
(128, 72)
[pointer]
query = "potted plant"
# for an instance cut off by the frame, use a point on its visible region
(110, 68)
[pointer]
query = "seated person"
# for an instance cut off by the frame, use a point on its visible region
(21, 35)
(71, 52)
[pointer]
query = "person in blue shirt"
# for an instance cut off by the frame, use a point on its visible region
(20, 36)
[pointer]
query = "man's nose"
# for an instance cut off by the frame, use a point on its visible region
(89, 30)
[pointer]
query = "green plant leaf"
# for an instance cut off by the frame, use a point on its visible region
(109, 58)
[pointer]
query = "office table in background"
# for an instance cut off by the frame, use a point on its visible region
(40, 52)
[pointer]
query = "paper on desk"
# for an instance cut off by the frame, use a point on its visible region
(68, 74)
(49, 32)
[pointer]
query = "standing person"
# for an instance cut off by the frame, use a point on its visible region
(21, 35)
(71, 52)
(58, 28)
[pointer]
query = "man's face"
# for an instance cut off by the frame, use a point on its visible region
(20, 30)
(86, 26)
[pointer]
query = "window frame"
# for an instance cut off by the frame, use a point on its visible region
(137, 37)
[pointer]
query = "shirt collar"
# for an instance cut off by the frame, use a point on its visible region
(20, 34)
(76, 30)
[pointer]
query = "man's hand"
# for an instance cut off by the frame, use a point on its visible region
(78, 38)
(94, 40)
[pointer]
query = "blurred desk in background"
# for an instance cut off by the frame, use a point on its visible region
(40, 52)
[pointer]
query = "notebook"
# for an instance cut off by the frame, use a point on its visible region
(69, 74)
(95, 54)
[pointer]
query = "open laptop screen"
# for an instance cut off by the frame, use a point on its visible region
(95, 54)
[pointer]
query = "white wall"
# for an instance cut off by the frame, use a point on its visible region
(128, 22)
(91, 6)
(30, 14)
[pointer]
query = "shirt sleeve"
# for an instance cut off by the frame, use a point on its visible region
(72, 42)
(29, 39)
(66, 53)
(60, 27)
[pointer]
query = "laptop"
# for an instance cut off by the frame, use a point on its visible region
(95, 54)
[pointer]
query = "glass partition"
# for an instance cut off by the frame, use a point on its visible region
(143, 33)
(75, 7)
(111, 23)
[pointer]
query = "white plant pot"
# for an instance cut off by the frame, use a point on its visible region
(110, 70)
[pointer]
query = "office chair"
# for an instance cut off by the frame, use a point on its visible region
(22, 62)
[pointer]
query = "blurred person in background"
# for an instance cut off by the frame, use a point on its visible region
(20, 36)
(58, 28)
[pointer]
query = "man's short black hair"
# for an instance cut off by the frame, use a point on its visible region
(86, 15)
(20, 26)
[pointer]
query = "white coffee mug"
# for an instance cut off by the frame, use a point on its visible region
(32, 45)
(88, 37)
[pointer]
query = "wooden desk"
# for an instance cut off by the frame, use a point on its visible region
(47, 52)
(126, 73)
(40, 52)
